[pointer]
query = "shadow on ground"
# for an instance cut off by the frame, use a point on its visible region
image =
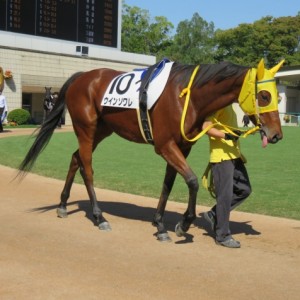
(145, 214)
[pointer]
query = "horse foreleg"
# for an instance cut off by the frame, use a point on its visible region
(190, 215)
(176, 159)
(162, 234)
(65, 194)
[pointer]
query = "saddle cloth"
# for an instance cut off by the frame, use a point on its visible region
(123, 90)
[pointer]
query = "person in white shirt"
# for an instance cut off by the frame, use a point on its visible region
(3, 110)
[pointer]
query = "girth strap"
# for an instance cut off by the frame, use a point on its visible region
(143, 111)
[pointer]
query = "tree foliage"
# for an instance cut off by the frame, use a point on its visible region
(193, 41)
(271, 38)
(196, 40)
(140, 35)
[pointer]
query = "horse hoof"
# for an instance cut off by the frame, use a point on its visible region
(62, 212)
(179, 231)
(104, 226)
(164, 237)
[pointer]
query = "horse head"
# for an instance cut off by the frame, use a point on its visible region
(48, 100)
(48, 95)
(259, 99)
(267, 102)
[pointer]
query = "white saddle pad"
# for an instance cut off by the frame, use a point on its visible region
(123, 91)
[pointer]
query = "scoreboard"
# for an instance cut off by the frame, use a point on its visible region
(86, 21)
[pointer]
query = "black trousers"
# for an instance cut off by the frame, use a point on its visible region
(232, 187)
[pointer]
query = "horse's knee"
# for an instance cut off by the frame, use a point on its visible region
(193, 183)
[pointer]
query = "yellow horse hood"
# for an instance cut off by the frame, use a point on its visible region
(257, 80)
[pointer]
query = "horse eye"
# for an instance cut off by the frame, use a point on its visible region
(264, 98)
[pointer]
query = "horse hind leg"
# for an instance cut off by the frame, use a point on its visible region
(101, 222)
(65, 194)
(88, 141)
(75, 164)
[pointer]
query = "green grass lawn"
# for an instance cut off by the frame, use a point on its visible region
(128, 167)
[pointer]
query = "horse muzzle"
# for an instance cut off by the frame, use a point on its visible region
(270, 128)
(268, 137)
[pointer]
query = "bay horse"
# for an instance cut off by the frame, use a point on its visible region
(210, 88)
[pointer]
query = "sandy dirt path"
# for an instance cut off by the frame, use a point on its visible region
(45, 257)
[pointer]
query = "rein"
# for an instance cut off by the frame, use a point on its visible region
(227, 128)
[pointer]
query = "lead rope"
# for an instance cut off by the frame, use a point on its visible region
(229, 129)
(207, 179)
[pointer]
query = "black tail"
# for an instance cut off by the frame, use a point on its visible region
(44, 134)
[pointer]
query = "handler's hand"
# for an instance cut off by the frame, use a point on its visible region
(238, 132)
(229, 136)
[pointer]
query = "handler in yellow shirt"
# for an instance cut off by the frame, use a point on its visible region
(230, 177)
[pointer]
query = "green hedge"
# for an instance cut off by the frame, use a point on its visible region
(19, 116)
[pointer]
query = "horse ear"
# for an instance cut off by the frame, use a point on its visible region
(261, 69)
(276, 68)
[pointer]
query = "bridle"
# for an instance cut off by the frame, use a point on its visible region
(249, 94)
(255, 81)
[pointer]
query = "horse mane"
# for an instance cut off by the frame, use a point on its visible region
(206, 73)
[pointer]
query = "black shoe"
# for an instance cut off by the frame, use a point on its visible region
(230, 243)
(209, 216)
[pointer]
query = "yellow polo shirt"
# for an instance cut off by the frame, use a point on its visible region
(221, 149)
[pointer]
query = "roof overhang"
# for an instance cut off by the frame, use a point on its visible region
(289, 75)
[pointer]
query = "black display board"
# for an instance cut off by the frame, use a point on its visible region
(86, 21)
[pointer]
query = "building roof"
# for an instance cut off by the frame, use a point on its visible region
(291, 73)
